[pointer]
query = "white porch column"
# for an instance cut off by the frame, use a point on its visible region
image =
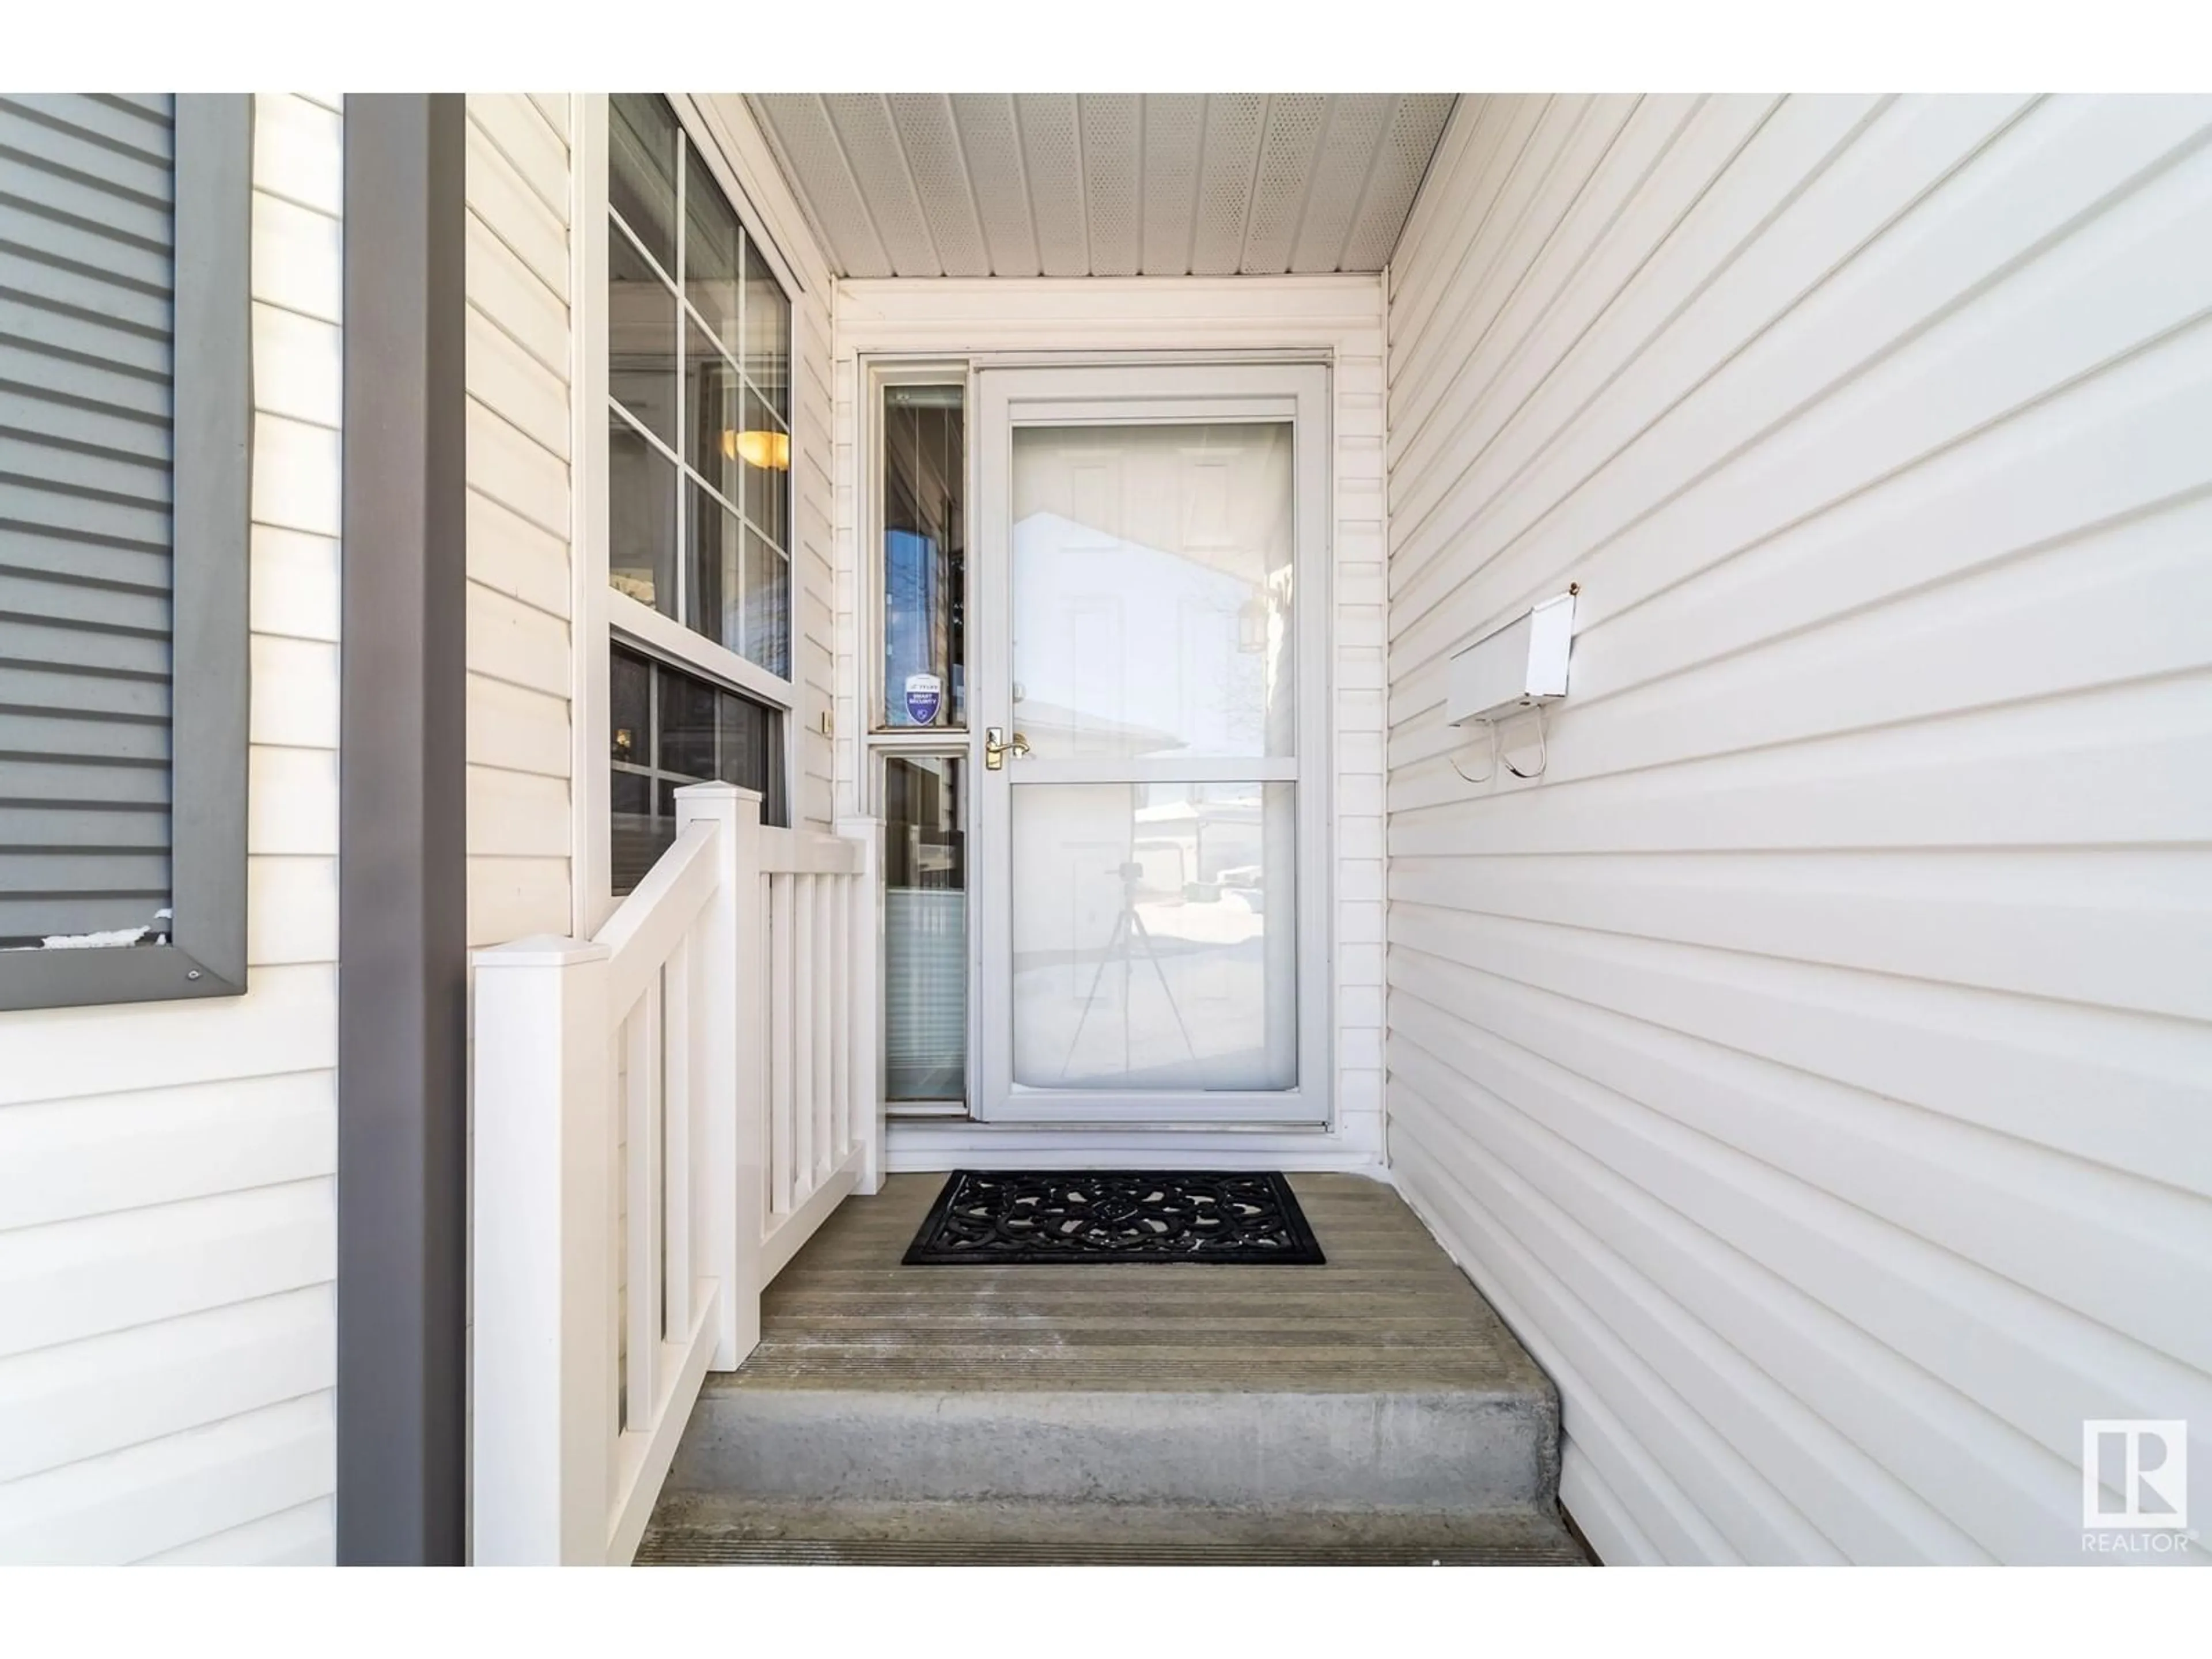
(730, 1183)
(542, 1255)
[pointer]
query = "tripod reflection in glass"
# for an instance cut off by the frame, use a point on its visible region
(1129, 935)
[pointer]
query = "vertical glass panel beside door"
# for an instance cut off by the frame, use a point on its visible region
(925, 558)
(925, 928)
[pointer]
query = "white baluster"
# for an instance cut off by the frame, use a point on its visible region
(677, 1118)
(863, 992)
(805, 1006)
(840, 937)
(641, 1242)
(826, 1021)
(782, 999)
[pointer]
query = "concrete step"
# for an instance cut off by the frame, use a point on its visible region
(1376, 1403)
(707, 1530)
(1438, 1449)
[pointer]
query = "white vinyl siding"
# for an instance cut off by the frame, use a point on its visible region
(520, 678)
(1812, 1064)
(167, 1226)
(1336, 318)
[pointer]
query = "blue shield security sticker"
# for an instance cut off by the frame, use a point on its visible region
(924, 693)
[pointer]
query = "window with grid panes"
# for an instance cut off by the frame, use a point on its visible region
(699, 444)
(668, 728)
(699, 340)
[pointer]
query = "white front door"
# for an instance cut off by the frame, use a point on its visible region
(1151, 867)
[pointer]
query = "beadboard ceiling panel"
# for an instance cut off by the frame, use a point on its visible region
(1104, 185)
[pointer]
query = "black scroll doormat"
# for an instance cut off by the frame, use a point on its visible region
(1018, 1217)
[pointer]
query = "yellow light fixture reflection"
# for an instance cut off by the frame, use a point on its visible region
(769, 450)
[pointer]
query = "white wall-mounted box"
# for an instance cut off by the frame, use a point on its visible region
(1520, 665)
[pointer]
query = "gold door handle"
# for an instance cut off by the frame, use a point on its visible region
(996, 748)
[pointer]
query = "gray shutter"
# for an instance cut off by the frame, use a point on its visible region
(87, 262)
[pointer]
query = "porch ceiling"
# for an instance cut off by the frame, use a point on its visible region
(1103, 184)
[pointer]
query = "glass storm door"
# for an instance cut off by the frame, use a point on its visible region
(1150, 702)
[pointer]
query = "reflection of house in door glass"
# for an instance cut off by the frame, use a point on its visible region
(1153, 921)
(1151, 591)
(1155, 936)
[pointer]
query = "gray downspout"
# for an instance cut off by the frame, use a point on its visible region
(403, 974)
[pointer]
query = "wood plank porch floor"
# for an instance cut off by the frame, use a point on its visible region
(1389, 1309)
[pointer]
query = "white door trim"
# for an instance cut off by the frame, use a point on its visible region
(914, 1146)
(1300, 393)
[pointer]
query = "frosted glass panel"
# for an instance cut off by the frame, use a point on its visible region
(1155, 936)
(1151, 591)
(925, 928)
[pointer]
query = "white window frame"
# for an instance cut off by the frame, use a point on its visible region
(603, 616)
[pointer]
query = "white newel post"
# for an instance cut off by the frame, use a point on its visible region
(542, 1255)
(729, 1183)
(866, 914)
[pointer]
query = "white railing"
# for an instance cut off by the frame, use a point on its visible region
(663, 1114)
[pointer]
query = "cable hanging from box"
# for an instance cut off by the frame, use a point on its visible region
(1543, 750)
(1497, 755)
(1491, 727)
